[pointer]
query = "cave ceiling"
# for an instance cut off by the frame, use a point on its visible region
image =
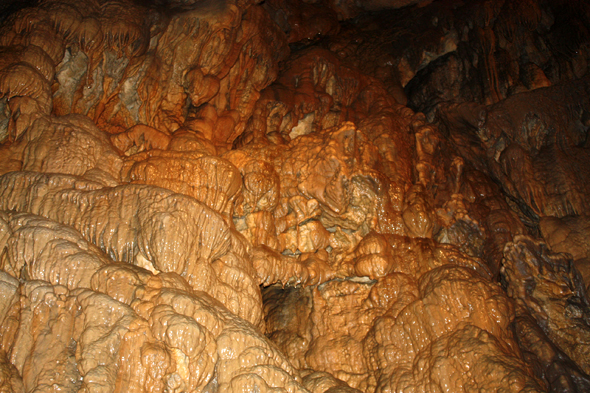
(294, 196)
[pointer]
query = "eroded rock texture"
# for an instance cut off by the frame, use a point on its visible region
(293, 195)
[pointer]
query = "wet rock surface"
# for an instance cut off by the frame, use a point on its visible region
(293, 195)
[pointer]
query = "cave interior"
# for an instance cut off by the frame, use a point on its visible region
(324, 196)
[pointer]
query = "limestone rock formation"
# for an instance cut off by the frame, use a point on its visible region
(294, 196)
(550, 287)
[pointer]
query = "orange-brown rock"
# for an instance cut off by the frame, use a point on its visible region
(319, 381)
(551, 363)
(126, 63)
(363, 182)
(325, 183)
(302, 20)
(39, 249)
(569, 235)
(520, 134)
(370, 331)
(10, 380)
(551, 289)
(142, 225)
(169, 338)
(209, 179)
(69, 144)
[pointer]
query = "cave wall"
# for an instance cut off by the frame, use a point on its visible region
(380, 196)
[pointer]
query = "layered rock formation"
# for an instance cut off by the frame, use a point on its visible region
(322, 196)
